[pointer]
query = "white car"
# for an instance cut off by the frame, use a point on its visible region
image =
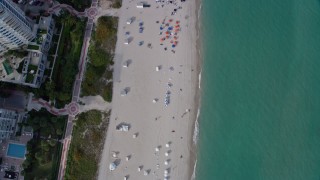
(31, 2)
(130, 20)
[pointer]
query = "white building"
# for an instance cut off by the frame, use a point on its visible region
(15, 29)
(8, 123)
(32, 66)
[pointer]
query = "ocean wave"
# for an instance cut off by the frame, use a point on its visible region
(200, 79)
(196, 125)
(193, 177)
(196, 129)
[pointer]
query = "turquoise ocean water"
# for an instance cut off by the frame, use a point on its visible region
(260, 113)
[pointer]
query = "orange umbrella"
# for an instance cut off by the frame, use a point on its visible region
(167, 32)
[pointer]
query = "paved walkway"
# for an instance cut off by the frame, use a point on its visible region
(90, 13)
(72, 109)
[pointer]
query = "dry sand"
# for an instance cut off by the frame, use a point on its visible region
(155, 123)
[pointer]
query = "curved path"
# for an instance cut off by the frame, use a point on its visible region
(89, 12)
(72, 109)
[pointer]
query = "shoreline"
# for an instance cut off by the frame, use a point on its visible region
(195, 134)
(190, 82)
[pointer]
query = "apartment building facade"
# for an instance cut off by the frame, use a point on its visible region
(15, 28)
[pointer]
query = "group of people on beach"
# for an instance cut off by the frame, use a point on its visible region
(169, 36)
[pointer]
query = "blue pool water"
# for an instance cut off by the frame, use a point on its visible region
(16, 150)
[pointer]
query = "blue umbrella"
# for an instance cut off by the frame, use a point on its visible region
(173, 45)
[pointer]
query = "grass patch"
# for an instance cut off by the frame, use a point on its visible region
(98, 77)
(44, 150)
(29, 78)
(33, 47)
(86, 145)
(116, 4)
(17, 53)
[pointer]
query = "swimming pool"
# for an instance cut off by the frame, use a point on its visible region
(16, 150)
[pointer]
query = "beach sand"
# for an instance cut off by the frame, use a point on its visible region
(155, 124)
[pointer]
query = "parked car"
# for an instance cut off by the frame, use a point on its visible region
(32, 2)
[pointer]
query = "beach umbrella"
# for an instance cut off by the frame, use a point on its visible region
(175, 38)
(114, 154)
(167, 32)
(128, 158)
(170, 20)
(157, 149)
(173, 46)
(134, 135)
(177, 22)
(145, 173)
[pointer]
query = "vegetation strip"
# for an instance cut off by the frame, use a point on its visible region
(98, 76)
(86, 145)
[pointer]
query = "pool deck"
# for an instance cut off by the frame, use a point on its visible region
(11, 162)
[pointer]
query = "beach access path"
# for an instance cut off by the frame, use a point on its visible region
(152, 125)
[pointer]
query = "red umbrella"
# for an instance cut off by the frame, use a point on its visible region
(177, 22)
(167, 32)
